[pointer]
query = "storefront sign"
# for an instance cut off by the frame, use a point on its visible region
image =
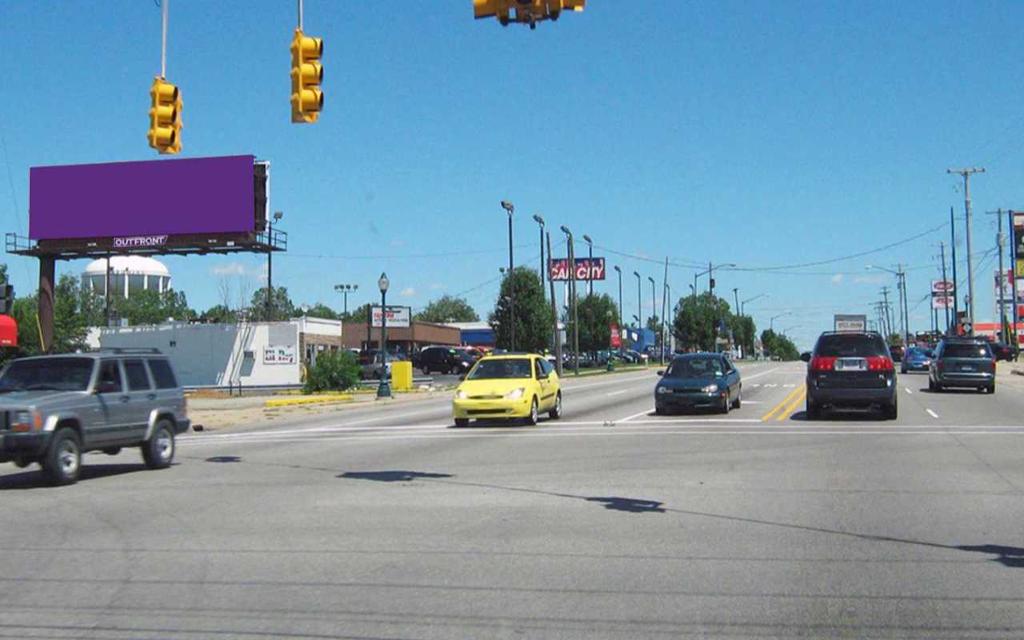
(398, 317)
(279, 354)
(616, 340)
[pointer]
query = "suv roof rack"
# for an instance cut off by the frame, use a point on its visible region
(130, 350)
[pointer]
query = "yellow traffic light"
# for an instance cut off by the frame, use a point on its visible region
(524, 11)
(165, 117)
(307, 75)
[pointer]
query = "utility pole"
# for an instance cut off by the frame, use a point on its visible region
(554, 317)
(956, 283)
(966, 174)
(942, 248)
(888, 315)
(904, 311)
(1001, 278)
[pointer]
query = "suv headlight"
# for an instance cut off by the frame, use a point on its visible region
(26, 420)
(461, 395)
(515, 394)
(711, 388)
(663, 390)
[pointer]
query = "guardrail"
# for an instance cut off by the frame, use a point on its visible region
(256, 389)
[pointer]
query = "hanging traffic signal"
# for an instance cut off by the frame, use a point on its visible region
(524, 11)
(307, 75)
(165, 117)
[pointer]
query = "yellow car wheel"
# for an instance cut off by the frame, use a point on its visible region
(461, 422)
(556, 411)
(534, 416)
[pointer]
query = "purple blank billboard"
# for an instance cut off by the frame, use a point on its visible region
(157, 197)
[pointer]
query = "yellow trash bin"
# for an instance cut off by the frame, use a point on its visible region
(401, 375)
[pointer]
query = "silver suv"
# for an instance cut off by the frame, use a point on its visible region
(54, 408)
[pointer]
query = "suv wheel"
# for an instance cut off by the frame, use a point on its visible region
(891, 411)
(813, 411)
(158, 451)
(62, 461)
(425, 370)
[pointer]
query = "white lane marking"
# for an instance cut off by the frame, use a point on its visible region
(907, 389)
(770, 386)
(618, 393)
(932, 413)
(752, 402)
(635, 415)
(758, 375)
(789, 386)
(756, 384)
(676, 430)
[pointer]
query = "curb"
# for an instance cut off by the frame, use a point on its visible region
(323, 399)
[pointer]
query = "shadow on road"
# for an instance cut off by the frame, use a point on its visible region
(34, 479)
(1007, 556)
(849, 415)
(224, 459)
(948, 391)
(632, 505)
(392, 476)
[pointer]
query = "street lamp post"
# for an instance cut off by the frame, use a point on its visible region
(639, 306)
(771, 321)
(344, 290)
(743, 303)
(510, 209)
(654, 304)
(270, 264)
(619, 272)
(590, 264)
(540, 221)
(736, 294)
(384, 388)
(573, 301)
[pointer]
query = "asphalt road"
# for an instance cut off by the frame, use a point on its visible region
(387, 522)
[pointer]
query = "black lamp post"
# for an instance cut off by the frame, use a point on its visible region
(270, 264)
(540, 221)
(590, 264)
(384, 388)
(510, 209)
(575, 306)
(639, 306)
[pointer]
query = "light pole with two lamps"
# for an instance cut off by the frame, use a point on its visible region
(573, 301)
(270, 263)
(543, 266)
(590, 264)
(510, 209)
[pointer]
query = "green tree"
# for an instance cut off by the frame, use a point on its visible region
(357, 315)
(333, 371)
(282, 307)
(744, 332)
(697, 321)
(596, 312)
(151, 307)
(776, 345)
(219, 314)
(69, 323)
(448, 309)
(532, 315)
(321, 310)
(25, 313)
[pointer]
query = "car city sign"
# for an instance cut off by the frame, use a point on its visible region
(586, 268)
(943, 292)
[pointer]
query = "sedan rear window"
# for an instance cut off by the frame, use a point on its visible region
(840, 346)
(953, 350)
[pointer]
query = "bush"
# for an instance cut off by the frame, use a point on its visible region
(333, 371)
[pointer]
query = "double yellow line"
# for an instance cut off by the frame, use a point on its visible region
(788, 406)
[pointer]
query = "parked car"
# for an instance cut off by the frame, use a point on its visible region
(916, 359)
(896, 352)
(1002, 351)
(850, 370)
(509, 387)
(57, 407)
(963, 362)
(698, 380)
(443, 360)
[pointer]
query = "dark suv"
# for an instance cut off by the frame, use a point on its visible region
(963, 362)
(443, 360)
(850, 370)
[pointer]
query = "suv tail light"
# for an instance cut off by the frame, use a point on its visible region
(880, 363)
(823, 363)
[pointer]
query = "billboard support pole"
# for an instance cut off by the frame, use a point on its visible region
(47, 269)
(942, 248)
(106, 295)
(554, 314)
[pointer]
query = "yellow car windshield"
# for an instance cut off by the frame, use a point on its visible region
(504, 368)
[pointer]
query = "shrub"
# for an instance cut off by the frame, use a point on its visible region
(333, 371)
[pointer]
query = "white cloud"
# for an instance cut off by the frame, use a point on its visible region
(837, 279)
(408, 292)
(229, 269)
(875, 279)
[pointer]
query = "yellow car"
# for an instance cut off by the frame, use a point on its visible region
(508, 386)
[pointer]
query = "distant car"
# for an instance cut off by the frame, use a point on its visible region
(444, 360)
(698, 380)
(916, 359)
(850, 369)
(896, 352)
(1002, 351)
(963, 362)
(371, 364)
(508, 387)
(57, 407)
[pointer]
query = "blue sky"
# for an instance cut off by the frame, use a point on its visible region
(748, 132)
